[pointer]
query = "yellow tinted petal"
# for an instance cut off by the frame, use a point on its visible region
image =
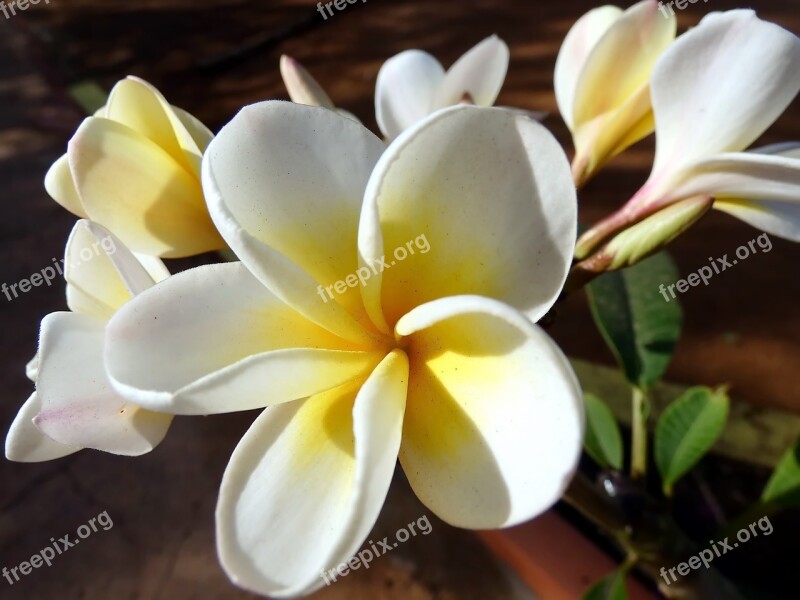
(470, 201)
(310, 477)
(574, 52)
(137, 190)
(94, 286)
(140, 106)
(494, 418)
(601, 139)
(622, 60)
(59, 184)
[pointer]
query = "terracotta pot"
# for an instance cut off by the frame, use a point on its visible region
(554, 559)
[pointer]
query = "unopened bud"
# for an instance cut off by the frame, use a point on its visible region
(646, 237)
(302, 87)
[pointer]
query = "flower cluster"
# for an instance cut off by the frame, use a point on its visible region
(437, 362)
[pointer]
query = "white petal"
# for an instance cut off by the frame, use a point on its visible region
(494, 419)
(611, 99)
(213, 340)
(79, 408)
(621, 63)
(104, 244)
(406, 91)
(781, 219)
(745, 175)
(102, 274)
(32, 368)
(140, 191)
(491, 192)
(200, 134)
(154, 266)
(787, 149)
(307, 482)
(25, 443)
(61, 187)
(479, 73)
(531, 114)
(347, 114)
(144, 108)
(720, 86)
(302, 87)
(138, 105)
(284, 184)
(574, 52)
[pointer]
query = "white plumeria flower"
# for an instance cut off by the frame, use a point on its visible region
(134, 167)
(413, 84)
(602, 79)
(435, 360)
(715, 91)
(74, 407)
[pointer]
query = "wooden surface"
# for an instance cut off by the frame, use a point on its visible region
(743, 329)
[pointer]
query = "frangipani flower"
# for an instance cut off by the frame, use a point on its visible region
(134, 168)
(413, 84)
(715, 91)
(602, 79)
(304, 89)
(435, 360)
(74, 406)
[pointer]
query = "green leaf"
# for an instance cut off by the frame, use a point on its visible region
(603, 440)
(637, 323)
(783, 488)
(687, 430)
(609, 588)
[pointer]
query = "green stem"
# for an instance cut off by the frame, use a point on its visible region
(586, 499)
(649, 537)
(639, 434)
